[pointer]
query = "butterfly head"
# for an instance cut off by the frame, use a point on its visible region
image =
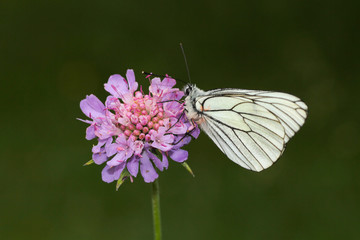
(192, 92)
(188, 89)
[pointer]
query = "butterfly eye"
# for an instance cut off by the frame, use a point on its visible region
(188, 89)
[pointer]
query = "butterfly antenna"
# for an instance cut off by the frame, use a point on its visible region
(148, 74)
(154, 75)
(186, 64)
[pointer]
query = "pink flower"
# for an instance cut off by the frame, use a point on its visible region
(137, 131)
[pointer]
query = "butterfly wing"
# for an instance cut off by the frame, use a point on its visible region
(250, 127)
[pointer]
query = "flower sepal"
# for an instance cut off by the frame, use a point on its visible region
(187, 167)
(123, 176)
(89, 162)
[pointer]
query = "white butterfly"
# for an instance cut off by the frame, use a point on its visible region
(251, 127)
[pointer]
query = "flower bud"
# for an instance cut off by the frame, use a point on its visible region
(145, 129)
(138, 94)
(154, 111)
(133, 138)
(139, 126)
(127, 132)
(143, 120)
(134, 119)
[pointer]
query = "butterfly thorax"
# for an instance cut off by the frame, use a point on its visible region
(192, 93)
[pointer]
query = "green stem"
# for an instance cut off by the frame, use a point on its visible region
(156, 209)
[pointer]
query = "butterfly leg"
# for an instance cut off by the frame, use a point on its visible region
(188, 133)
(193, 126)
(178, 120)
(148, 75)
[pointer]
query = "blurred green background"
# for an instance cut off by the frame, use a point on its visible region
(53, 53)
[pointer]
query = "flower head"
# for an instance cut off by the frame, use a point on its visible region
(136, 130)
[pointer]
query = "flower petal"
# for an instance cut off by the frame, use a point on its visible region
(154, 87)
(165, 161)
(117, 159)
(179, 155)
(90, 132)
(106, 130)
(116, 85)
(157, 85)
(155, 160)
(133, 165)
(121, 139)
(173, 109)
(195, 133)
(147, 170)
(110, 174)
(177, 127)
(168, 138)
(85, 121)
(112, 102)
(138, 147)
(111, 149)
(181, 141)
(97, 148)
(92, 107)
(172, 94)
(162, 146)
(100, 157)
(133, 85)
